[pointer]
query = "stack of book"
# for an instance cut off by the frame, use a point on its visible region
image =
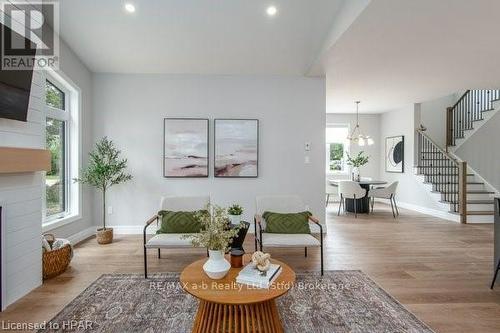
(250, 275)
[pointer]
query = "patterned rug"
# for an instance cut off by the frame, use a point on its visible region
(338, 302)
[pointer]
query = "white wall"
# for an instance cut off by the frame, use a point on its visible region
(482, 154)
(21, 194)
(129, 109)
(433, 117)
(410, 190)
(370, 125)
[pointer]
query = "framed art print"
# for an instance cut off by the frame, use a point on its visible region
(185, 147)
(236, 148)
(395, 154)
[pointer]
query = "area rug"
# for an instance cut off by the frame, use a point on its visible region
(338, 302)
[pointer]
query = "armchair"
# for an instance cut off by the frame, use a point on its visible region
(166, 241)
(285, 204)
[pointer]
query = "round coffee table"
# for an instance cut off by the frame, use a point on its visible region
(227, 306)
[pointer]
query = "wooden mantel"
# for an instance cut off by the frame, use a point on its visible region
(19, 160)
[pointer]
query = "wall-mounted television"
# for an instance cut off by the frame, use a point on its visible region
(15, 85)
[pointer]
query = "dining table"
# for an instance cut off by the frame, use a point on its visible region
(362, 204)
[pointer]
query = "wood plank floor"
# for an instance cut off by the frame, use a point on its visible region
(439, 270)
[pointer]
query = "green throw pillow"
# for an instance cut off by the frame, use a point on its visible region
(178, 222)
(291, 223)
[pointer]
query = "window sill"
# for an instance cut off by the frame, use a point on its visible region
(339, 173)
(56, 223)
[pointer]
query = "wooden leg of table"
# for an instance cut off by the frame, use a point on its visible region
(248, 318)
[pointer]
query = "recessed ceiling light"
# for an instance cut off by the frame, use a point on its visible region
(129, 7)
(271, 11)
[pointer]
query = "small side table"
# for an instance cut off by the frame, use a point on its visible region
(226, 306)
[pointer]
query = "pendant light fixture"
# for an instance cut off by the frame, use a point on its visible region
(356, 135)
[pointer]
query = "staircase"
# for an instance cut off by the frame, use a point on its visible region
(454, 185)
(472, 111)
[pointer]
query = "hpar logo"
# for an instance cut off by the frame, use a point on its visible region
(29, 36)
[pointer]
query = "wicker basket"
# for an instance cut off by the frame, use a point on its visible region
(56, 261)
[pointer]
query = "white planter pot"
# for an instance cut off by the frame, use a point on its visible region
(235, 219)
(355, 174)
(216, 266)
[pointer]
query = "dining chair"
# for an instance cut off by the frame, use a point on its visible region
(330, 189)
(389, 193)
(350, 190)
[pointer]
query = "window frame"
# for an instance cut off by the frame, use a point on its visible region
(71, 117)
(346, 144)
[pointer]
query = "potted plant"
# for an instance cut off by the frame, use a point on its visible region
(356, 163)
(105, 169)
(216, 237)
(234, 211)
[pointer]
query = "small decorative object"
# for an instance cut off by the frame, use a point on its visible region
(395, 154)
(236, 148)
(216, 237)
(185, 148)
(261, 260)
(104, 170)
(234, 213)
(356, 163)
(237, 258)
(56, 256)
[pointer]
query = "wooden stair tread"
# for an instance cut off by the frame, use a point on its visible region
(471, 202)
(469, 192)
(468, 183)
(480, 212)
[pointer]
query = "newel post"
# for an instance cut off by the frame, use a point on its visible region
(462, 191)
(449, 127)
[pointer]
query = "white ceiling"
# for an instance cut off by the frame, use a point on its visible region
(198, 36)
(406, 51)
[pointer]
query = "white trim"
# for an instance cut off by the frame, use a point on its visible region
(425, 210)
(56, 223)
(82, 235)
(73, 106)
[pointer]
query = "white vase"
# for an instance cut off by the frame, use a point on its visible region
(235, 219)
(216, 266)
(355, 174)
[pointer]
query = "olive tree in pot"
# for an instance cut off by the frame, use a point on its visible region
(105, 169)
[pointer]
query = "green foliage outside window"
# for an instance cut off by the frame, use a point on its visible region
(336, 156)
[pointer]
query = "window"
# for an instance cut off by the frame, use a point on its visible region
(61, 139)
(336, 148)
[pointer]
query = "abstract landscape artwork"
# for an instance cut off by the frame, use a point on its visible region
(185, 147)
(236, 148)
(395, 154)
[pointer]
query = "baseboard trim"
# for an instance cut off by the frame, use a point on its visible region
(429, 211)
(82, 235)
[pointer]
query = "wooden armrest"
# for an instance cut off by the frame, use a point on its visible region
(313, 219)
(151, 220)
(258, 219)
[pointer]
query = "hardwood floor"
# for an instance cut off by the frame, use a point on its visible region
(439, 270)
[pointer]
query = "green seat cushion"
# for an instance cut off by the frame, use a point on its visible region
(178, 222)
(289, 223)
